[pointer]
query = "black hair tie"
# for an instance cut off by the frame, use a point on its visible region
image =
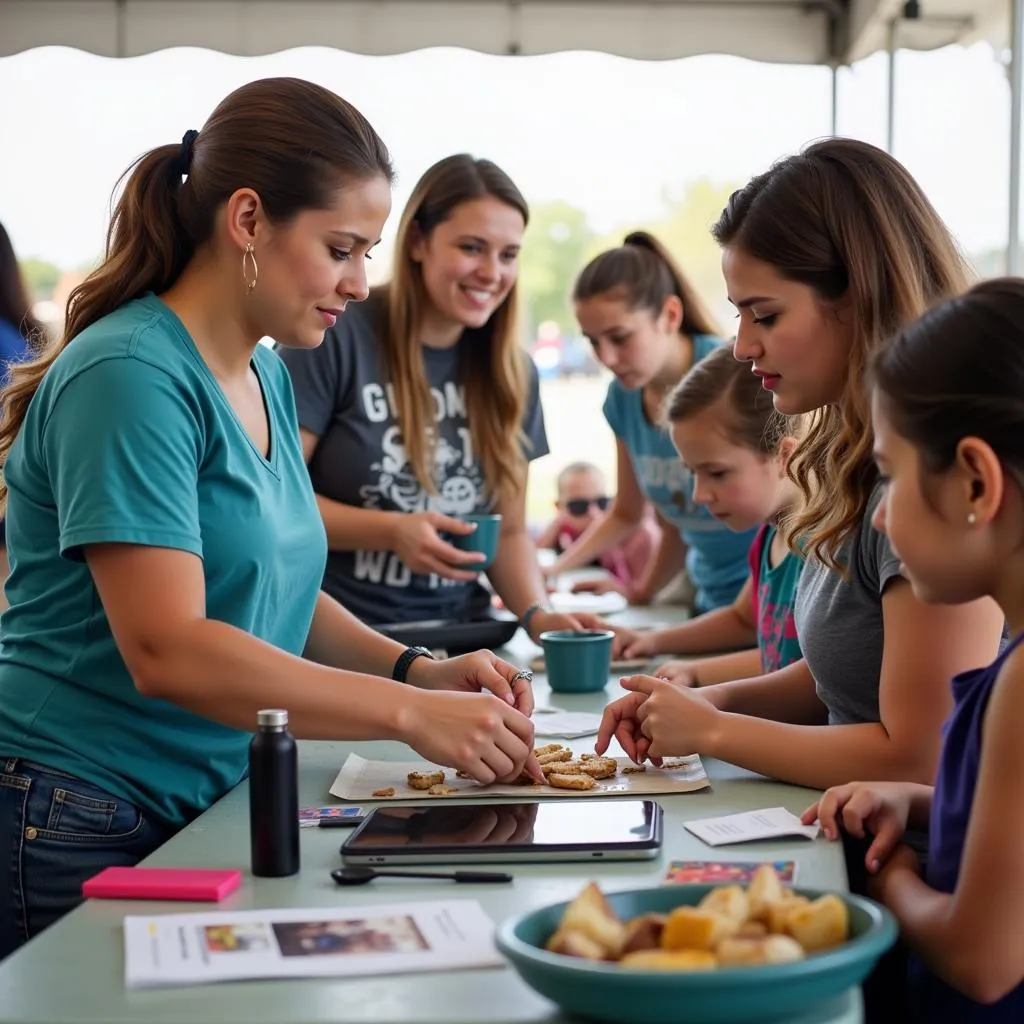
(183, 162)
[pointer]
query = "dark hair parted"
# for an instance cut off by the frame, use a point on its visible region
(847, 220)
(644, 273)
(958, 372)
(749, 420)
(292, 142)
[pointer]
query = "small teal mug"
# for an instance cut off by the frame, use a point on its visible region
(483, 539)
(577, 662)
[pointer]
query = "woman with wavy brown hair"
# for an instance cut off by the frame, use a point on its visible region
(825, 256)
(422, 407)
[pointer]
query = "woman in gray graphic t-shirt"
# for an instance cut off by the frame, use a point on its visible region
(824, 256)
(421, 406)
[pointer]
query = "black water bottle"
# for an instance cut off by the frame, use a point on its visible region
(274, 797)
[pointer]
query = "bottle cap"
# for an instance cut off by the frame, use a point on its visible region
(273, 718)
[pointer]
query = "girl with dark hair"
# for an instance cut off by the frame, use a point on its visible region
(166, 548)
(947, 409)
(648, 325)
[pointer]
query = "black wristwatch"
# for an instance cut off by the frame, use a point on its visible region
(405, 659)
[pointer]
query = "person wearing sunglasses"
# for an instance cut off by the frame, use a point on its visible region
(583, 500)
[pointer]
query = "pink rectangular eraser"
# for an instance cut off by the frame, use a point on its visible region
(161, 884)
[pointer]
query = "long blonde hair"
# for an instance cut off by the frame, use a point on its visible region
(293, 142)
(493, 367)
(849, 221)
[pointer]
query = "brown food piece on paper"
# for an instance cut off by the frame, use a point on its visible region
(441, 790)
(424, 780)
(600, 767)
(634, 769)
(571, 781)
(548, 748)
(562, 768)
(555, 755)
(390, 791)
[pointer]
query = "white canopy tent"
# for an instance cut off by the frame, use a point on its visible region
(828, 32)
(790, 31)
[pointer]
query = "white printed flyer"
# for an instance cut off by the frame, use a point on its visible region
(194, 949)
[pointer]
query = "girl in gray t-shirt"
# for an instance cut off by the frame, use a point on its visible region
(824, 256)
(420, 407)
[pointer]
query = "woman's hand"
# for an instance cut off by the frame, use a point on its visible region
(879, 808)
(476, 733)
(658, 719)
(678, 721)
(474, 673)
(621, 722)
(542, 621)
(679, 672)
(417, 541)
(642, 643)
(610, 585)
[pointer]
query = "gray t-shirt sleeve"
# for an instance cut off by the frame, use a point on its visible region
(840, 624)
(878, 563)
(533, 418)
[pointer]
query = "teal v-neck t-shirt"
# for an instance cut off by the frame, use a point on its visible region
(131, 440)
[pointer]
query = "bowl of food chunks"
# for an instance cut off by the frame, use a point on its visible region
(698, 954)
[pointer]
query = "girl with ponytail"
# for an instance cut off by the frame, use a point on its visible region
(648, 325)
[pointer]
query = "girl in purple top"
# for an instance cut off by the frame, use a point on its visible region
(948, 415)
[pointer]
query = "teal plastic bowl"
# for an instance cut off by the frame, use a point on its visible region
(729, 995)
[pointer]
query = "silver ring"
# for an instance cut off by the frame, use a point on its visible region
(523, 673)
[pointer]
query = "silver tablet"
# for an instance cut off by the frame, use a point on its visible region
(550, 830)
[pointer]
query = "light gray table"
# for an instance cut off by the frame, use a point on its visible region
(73, 972)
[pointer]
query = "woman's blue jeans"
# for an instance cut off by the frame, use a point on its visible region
(56, 832)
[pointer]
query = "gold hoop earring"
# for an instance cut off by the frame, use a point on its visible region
(250, 254)
(971, 518)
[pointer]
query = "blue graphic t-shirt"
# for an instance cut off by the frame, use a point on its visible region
(717, 558)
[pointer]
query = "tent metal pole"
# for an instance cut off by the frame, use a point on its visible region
(1013, 255)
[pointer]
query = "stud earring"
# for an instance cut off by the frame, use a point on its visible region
(971, 518)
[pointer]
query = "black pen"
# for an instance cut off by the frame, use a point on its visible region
(358, 875)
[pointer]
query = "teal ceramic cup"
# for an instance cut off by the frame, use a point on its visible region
(483, 539)
(577, 662)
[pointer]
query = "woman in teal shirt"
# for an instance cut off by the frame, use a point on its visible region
(166, 548)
